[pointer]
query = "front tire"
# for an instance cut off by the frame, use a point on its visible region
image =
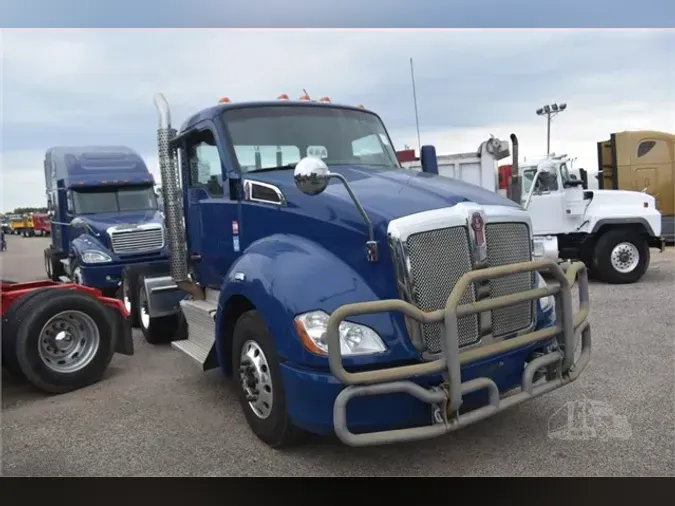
(162, 329)
(621, 257)
(255, 366)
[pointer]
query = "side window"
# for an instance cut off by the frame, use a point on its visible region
(645, 147)
(547, 181)
(205, 165)
(70, 206)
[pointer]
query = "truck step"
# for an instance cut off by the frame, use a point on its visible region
(200, 317)
(65, 279)
(66, 263)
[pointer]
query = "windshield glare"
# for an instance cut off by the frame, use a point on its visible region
(276, 136)
(110, 200)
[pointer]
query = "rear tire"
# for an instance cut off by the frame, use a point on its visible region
(254, 359)
(63, 339)
(162, 329)
(621, 256)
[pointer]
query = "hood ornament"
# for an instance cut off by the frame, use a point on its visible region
(477, 235)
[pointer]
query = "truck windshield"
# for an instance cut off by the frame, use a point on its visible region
(269, 137)
(112, 200)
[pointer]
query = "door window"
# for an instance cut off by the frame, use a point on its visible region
(205, 164)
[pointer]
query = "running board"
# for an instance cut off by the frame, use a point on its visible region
(199, 346)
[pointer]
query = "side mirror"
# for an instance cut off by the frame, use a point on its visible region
(429, 160)
(311, 175)
(77, 223)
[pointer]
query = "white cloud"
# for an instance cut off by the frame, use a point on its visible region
(96, 87)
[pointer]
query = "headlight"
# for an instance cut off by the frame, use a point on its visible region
(355, 339)
(95, 257)
(547, 303)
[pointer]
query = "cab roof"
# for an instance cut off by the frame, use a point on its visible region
(216, 110)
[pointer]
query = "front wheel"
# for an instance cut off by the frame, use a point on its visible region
(162, 329)
(260, 390)
(621, 257)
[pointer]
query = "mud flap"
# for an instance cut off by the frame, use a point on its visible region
(124, 342)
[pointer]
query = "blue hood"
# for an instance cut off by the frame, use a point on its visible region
(387, 194)
(100, 222)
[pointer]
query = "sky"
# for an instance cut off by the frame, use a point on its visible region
(95, 86)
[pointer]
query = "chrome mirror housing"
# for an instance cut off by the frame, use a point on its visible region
(311, 175)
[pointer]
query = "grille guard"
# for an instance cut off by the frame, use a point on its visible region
(568, 327)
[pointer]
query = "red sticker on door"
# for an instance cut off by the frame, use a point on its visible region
(235, 227)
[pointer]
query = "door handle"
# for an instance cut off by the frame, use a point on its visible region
(195, 257)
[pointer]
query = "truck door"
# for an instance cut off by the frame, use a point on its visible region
(210, 213)
(546, 208)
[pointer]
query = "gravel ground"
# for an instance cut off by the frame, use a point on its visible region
(156, 414)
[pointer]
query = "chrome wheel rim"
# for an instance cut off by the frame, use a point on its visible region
(48, 267)
(143, 314)
(256, 380)
(625, 257)
(68, 342)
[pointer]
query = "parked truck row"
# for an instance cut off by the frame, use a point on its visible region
(300, 258)
(29, 225)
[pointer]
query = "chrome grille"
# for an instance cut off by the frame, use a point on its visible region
(509, 243)
(137, 240)
(438, 259)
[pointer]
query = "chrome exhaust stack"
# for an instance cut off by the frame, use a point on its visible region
(514, 186)
(172, 195)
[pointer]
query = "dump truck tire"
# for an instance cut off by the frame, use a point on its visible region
(621, 256)
(266, 416)
(64, 339)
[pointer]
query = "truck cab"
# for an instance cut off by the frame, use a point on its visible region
(642, 161)
(317, 273)
(104, 215)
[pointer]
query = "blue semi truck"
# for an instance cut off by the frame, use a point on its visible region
(342, 293)
(104, 216)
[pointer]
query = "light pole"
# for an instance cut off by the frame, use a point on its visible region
(549, 111)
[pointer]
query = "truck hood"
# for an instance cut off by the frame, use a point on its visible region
(622, 198)
(385, 194)
(100, 222)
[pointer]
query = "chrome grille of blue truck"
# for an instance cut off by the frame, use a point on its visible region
(436, 259)
(137, 240)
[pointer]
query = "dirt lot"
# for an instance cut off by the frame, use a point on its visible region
(156, 414)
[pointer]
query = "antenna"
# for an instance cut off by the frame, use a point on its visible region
(417, 119)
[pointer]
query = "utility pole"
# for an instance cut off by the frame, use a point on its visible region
(417, 119)
(549, 111)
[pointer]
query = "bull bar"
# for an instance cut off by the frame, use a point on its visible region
(568, 327)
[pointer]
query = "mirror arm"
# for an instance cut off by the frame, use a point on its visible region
(371, 245)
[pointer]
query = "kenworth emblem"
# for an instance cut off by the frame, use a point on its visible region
(478, 226)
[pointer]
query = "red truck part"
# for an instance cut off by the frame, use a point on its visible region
(61, 337)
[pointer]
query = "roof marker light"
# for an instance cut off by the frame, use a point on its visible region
(325, 100)
(283, 96)
(304, 97)
(224, 100)
(360, 106)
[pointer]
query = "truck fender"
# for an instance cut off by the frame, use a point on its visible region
(86, 242)
(623, 221)
(283, 276)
